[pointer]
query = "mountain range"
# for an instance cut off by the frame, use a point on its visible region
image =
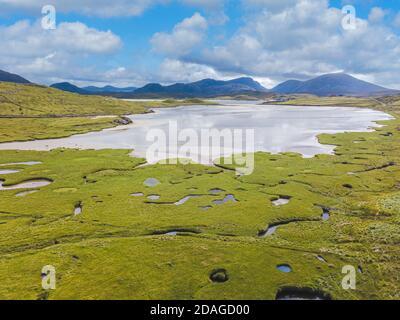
(69, 87)
(332, 84)
(11, 77)
(335, 84)
(206, 88)
(109, 89)
(66, 86)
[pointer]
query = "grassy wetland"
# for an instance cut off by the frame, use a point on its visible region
(124, 243)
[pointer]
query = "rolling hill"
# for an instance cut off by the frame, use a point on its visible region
(11, 77)
(69, 87)
(20, 100)
(336, 84)
(109, 89)
(203, 89)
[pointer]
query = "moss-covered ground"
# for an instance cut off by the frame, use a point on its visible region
(117, 248)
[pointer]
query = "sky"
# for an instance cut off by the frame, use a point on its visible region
(134, 42)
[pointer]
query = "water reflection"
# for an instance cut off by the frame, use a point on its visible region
(277, 128)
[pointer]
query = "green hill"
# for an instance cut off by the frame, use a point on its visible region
(34, 100)
(29, 112)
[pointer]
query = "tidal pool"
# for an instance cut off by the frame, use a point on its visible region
(2, 172)
(78, 209)
(228, 198)
(215, 191)
(153, 197)
(29, 184)
(151, 182)
(281, 201)
(285, 268)
(186, 199)
(277, 129)
(26, 193)
(27, 163)
(326, 215)
(137, 194)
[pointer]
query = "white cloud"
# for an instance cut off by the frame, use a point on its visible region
(213, 8)
(25, 38)
(279, 39)
(172, 70)
(103, 8)
(168, 72)
(39, 54)
(306, 40)
(185, 36)
(270, 5)
(376, 15)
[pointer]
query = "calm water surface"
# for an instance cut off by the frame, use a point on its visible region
(277, 128)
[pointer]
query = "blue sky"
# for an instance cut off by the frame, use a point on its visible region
(130, 43)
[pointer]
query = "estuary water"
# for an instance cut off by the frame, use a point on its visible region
(276, 128)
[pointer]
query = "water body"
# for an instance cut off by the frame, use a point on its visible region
(215, 191)
(26, 193)
(285, 268)
(29, 184)
(269, 232)
(137, 194)
(185, 199)
(28, 163)
(277, 128)
(281, 201)
(78, 209)
(326, 215)
(151, 182)
(228, 198)
(2, 172)
(153, 197)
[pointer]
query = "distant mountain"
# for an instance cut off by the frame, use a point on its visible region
(289, 86)
(109, 89)
(336, 84)
(69, 87)
(201, 89)
(332, 85)
(11, 77)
